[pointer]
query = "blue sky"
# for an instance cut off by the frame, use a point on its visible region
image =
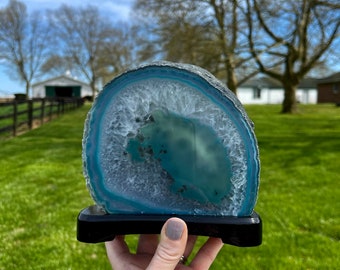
(117, 9)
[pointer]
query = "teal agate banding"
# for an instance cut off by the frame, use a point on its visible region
(169, 138)
(195, 160)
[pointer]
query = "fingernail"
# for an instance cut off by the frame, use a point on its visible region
(174, 229)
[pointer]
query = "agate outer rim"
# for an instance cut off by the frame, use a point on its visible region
(225, 94)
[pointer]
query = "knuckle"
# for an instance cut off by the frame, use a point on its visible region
(168, 254)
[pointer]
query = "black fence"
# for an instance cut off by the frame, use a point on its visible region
(18, 115)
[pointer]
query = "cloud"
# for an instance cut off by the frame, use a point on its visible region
(121, 9)
(116, 9)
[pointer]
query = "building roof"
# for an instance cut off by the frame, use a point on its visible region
(262, 82)
(60, 78)
(334, 78)
(267, 82)
(308, 83)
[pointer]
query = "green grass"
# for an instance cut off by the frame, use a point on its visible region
(42, 190)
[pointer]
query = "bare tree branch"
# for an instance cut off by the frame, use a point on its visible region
(89, 43)
(23, 42)
(207, 33)
(311, 27)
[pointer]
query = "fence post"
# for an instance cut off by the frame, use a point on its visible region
(15, 117)
(42, 112)
(30, 114)
(59, 107)
(51, 109)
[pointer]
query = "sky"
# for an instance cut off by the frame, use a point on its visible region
(118, 10)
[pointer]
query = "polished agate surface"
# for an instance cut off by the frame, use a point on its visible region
(169, 138)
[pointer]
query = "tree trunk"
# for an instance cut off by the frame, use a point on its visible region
(230, 73)
(232, 82)
(289, 104)
(93, 87)
(28, 86)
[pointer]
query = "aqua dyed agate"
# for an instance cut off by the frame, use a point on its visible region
(191, 154)
(169, 138)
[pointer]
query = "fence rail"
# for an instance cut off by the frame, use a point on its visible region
(20, 114)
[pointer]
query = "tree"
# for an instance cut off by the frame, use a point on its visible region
(24, 42)
(294, 34)
(202, 32)
(118, 54)
(89, 44)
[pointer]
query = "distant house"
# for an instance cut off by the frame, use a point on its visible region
(329, 89)
(265, 90)
(61, 86)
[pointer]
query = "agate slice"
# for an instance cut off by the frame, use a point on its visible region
(169, 138)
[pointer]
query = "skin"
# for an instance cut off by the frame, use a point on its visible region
(165, 254)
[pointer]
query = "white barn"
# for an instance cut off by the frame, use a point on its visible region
(61, 86)
(265, 90)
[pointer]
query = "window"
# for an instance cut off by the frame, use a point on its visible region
(257, 92)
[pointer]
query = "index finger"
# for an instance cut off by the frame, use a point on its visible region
(117, 249)
(207, 254)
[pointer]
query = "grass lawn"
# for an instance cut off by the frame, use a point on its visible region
(42, 191)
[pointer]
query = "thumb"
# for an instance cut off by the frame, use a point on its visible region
(171, 247)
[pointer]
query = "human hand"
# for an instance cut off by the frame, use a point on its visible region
(165, 254)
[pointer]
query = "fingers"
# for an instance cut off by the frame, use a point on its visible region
(172, 245)
(174, 242)
(207, 254)
(117, 250)
(190, 245)
(147, 244)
